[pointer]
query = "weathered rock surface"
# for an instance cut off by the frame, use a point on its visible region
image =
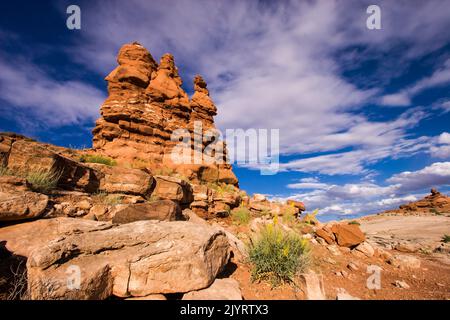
(162, 210)
(348, 235)
(27, 155)
(404, 261)
(366, 249)
(221, 289)
(21, 206)
(122, 180)
(435, 203)
(145, 106)
(170, 188)
(134, 259)
(312, 285)
(18, 202)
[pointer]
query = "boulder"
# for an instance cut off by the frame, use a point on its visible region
(258, 197)
(325, 235)
(220, 209)
(130, 260)
(312, 285)
(13, 184)
(221, 289)
(122, 180)
(366, 249)
(28, 156)
(191, 216)
(348, 235)
(5, 147)
(201, 192)
(297, 204)
(404, 261)
(174, 189)
(26, 205)
(162, 210)
(149, 297)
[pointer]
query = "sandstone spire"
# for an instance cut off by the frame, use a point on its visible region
(146, 103)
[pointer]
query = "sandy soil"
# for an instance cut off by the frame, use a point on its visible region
(409, 228)
(430, 281)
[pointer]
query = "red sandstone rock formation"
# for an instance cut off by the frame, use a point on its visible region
(146, 104)
(435, 203)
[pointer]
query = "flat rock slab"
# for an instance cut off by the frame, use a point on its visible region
(221, 289)
(408, 228)
(82, 259)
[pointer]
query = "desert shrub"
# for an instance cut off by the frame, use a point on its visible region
(4, 171)
(18, 285)
(96, 158)
(310, 218)
(139, 164)
(355, 223)
(153, 198)
(446, 238)
(164, 172)
(108, 199)
(435, 211)
(240, 215)
(289, 215)
(277, 255)
(222, 188)
(43, 180)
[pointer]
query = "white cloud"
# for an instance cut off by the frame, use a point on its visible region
(355, 162)
(434, 175)
(307, 185)
(441, 149)
(30, 90)
(365, 198)
(440, 77)
(396, 99)
(273, 65)
(444, 138)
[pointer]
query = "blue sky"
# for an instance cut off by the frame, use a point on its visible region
(363, 114)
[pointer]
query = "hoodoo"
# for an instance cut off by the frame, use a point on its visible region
(145, 105)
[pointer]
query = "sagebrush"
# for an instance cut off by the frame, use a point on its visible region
(241, 215)
(277, 255)
(96, 158)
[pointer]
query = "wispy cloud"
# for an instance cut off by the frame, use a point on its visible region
(29, 90)
(364, 198)
(279, 69)
(440, 77)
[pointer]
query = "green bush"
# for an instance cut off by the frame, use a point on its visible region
(42, 180)
(446, 238)
(277, 255)
(355, 223)
(96, 158)
(240, 215)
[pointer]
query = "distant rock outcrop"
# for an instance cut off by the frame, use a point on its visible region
(435, 203)
(146, 104)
